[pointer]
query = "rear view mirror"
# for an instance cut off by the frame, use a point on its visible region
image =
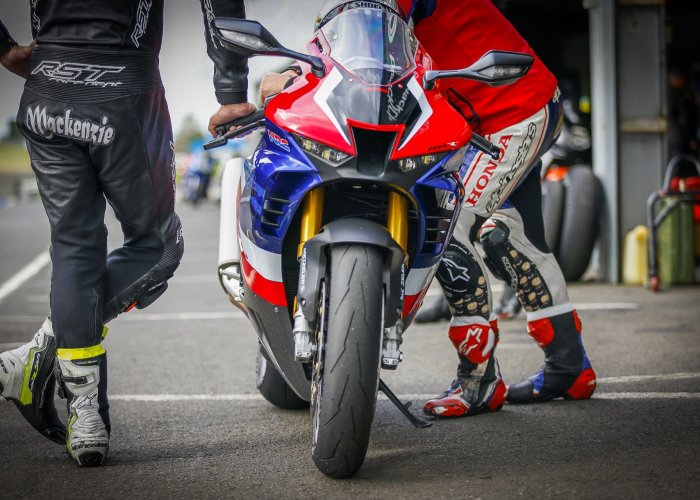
(245, 37)
(495, 68)
(502, 68)
(250, 38)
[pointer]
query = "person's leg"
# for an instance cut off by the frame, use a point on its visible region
(75, 207)
(478, 387)
(136, 173)
(138, 178)
(516, 252)
(78, 253)
(27, 379)
(473, 329)
(83, 378)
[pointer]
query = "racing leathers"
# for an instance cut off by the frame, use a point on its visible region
(523, 119)
(98, 131)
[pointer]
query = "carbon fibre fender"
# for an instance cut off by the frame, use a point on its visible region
(343, 231)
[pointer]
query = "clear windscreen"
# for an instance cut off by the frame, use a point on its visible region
(372, 44)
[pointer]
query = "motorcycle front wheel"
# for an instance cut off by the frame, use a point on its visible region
(346, 370)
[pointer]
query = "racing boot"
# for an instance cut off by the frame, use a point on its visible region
(567, 372)
(438, 310)
(83, 376)
(27, 379)
(478, 387)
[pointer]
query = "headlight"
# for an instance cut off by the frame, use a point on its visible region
(408, 164)
(328, 153)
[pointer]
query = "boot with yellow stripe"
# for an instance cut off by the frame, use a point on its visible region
(83, 375)
(27, 379)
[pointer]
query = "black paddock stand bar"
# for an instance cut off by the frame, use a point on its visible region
(403, 408)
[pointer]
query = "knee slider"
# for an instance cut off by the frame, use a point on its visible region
(456, 272)
(151, 295)
(147, 290)
(169, 262)
(495, 243)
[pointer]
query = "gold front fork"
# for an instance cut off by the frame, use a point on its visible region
(397, 219)
(311, 215)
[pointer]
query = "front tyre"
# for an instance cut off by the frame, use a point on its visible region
(347, 370)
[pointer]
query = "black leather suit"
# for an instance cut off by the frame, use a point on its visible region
(98, 130)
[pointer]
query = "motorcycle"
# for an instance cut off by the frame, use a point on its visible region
(332, 231)
(195, 182)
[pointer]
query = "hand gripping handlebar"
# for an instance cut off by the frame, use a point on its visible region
(246, 124)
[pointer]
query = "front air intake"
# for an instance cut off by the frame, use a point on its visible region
(373, 150)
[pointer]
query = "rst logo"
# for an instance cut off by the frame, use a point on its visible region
(141, 21)
(281, 142)
(78, 73)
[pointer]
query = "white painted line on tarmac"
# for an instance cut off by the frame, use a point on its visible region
(172, 398)
(194, 279)
(597, 395)
(605, 306)
(647, 395)
(38, 299)
(21, 319)
(507, 347)
(167, 398)
(176, 398)
(643, 378)
(141, 316)
(187, 316)
(24, 274)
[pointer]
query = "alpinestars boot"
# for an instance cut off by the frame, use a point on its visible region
(84, 382)
(567, 372)
(476, 390)
(478, 387)
(27, 379)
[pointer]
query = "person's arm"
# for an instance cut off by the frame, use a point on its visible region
(230, 69)
(12, 56)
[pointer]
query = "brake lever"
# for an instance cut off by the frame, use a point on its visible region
(483, 144)
(232, 134)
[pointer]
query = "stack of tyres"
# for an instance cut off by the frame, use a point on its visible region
(571, 212)
(676, 245)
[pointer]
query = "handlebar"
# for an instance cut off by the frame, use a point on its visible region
(255, 116)
(246, 123)
(483, 144)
